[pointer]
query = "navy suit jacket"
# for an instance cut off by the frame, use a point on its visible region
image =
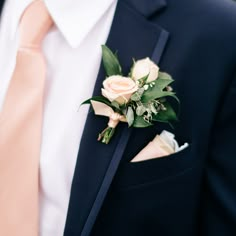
(190, 193)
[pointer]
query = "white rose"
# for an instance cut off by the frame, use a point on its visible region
(119, 89)
(143, 68)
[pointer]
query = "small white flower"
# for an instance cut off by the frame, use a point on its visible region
(169, 88)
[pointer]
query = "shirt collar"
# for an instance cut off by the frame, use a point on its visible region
(74, 18)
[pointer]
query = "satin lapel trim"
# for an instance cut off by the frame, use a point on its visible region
(132, 36)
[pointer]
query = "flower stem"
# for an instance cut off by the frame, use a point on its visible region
(106, 135)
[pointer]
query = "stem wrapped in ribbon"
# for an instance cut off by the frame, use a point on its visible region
(101, 109)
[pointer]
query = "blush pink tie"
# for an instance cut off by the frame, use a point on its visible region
(20, 128)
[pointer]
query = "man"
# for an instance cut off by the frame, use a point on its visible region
(86, 187)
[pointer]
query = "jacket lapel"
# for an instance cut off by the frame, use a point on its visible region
(133, 37)
(147, 8)
(1, 6)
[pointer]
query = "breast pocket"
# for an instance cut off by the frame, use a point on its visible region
(131, 174)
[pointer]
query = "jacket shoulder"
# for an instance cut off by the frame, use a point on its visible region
(218, 14)
(222, 12)
(212, 21)
(220, 21)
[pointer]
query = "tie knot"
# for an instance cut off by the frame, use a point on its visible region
(35, 23)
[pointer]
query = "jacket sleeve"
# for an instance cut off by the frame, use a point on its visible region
(219, 212)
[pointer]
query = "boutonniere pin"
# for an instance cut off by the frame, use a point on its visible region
(138, 99)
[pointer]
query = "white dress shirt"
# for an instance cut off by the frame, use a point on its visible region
(73, 53)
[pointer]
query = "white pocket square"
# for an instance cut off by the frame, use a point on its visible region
(162, 145)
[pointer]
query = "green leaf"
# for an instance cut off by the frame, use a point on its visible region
(115, 105)
(98, 99)
(130, 116)
(176, 98)
(166, 116)
(139, 122)
(143, 80)
(157, 91)
(110, 62)
(163, 80)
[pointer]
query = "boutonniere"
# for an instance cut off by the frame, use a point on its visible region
(140, 98)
